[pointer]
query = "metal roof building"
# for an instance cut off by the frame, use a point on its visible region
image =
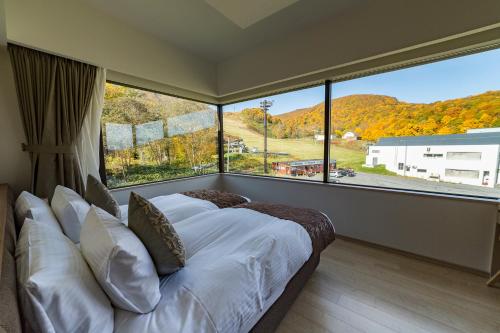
(490, 138)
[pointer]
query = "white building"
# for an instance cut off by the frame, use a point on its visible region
(471, 158)
(349, 136)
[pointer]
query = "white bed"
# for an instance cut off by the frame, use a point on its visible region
(239, 263)
(176, 207)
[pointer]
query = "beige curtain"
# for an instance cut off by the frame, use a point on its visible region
(54, 94)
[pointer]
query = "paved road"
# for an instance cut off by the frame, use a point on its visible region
(408, 183)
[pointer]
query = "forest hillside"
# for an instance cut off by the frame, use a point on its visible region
(376, 116)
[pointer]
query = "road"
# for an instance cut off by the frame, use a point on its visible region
(408, 183)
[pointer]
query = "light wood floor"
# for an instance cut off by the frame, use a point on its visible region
(357, 288)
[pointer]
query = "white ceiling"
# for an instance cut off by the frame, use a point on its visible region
(220, 29)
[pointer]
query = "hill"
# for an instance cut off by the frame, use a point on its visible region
(292, 114)
(375, 116)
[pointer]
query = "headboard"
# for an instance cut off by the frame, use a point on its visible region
(10, 318)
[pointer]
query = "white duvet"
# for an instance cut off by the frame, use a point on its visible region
(176, 207)
(239, 262)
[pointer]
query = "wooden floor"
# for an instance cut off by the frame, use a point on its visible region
(357, 288)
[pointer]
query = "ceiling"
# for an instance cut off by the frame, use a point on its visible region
(216, 30)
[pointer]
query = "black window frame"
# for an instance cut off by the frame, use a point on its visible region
(370, 72)
(329, 85)
(102, 159)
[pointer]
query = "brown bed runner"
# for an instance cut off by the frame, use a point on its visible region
(220, 199)
(318, 226)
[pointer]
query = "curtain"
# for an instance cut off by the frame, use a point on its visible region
(54, 95)
(88, 142)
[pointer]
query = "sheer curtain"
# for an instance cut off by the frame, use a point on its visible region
(87, 145)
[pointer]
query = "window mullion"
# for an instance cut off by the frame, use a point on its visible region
(327, 133)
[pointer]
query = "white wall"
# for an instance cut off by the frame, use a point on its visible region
(452, 230)
(75, 29)
(15, 164)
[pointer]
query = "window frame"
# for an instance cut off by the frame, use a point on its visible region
(365, 73)
(102, 159)
(325, 143)
(327, 116)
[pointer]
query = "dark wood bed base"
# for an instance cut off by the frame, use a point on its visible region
(272, 318)
(10, 314)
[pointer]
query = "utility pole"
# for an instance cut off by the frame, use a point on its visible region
(228, 151)
(265, 105)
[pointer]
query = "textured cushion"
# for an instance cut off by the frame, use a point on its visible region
(70, 209)
(58, 292)
(157, 234)
(98, 194)
(32, 207)
(120, 262)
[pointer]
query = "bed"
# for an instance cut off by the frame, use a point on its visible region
(318, 227)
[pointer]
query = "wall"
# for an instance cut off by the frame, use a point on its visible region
(15, 164)
(453, 230)
(363, 33)
(168, 187)
(76, 30)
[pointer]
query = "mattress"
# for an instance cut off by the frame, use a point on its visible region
(240, 261)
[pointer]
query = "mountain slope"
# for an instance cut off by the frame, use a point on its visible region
(375, 116)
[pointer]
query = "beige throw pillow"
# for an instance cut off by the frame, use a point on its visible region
(157, 234)
(97, 194)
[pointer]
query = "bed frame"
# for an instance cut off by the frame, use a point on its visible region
(11, 316)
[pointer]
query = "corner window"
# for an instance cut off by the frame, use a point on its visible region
(150, 137)
(442, 119)
(280, 135)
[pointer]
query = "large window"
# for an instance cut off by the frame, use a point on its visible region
(280, 135)
(152, 137)
(434, 127)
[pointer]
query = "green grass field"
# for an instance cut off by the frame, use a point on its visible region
(298, 149)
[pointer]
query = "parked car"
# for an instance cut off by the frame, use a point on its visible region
(336, 174)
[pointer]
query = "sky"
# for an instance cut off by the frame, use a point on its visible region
(448, 79)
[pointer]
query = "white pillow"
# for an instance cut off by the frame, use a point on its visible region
(57, 290)
(120, 262)
(70, 209)
(32, 207)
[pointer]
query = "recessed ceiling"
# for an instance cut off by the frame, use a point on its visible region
(220, 30)
(244, 13)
